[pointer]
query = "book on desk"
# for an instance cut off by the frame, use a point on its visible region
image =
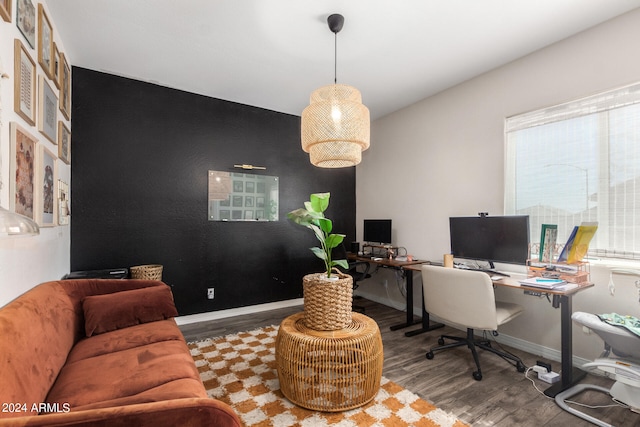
(549, 284)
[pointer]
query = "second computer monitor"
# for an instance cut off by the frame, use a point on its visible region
(377, 231)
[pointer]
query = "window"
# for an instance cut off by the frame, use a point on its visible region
(576, 162)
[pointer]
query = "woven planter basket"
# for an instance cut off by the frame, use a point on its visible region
(327, 304)
(146, 272)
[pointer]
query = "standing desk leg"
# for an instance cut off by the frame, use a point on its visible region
(409, 297)
(569, 375)
(426, 325)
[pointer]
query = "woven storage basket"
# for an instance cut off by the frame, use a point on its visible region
(147, 272)
(327, 304)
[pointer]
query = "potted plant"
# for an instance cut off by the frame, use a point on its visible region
(327, 297)
(312, 217)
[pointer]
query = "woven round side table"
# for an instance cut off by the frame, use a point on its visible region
(329, 370)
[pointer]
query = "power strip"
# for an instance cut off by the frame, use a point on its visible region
(549, 377)
(545, 373)
(540, 370)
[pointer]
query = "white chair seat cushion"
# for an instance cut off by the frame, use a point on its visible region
(505, 311)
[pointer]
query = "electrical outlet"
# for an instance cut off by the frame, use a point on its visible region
(210, 293)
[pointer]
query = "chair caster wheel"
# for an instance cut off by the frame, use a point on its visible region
(440, 341)
(430, 355)
(477, 375)
(520, 366)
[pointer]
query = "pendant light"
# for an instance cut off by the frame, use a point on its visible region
(13, 224)
(335, 126)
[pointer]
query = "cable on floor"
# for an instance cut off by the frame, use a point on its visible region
(616, 403)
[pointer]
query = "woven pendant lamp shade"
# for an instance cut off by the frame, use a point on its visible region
(335, 127)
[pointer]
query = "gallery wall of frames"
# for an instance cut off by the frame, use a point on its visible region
(38, 117)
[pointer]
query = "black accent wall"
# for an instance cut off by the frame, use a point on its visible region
(140, 156)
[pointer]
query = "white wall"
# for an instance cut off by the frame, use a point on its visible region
(27, 261)
(444, 156)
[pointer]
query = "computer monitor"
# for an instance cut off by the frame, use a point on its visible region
(503, 239)
(377, 231)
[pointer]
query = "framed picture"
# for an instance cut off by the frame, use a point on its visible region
(5, 9)
(22, 170)
(24, 97)
(249, 187)
(65, 86)
(64, 143)
(47, 111)
(45, 180)
(26, 21)
(238, 186)
(45, 42)
(248, 201)
(56, 66)
(63, 203)
(248, 214)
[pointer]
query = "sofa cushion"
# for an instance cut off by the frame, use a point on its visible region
(146, 373)
(108, 312)
(124, 339)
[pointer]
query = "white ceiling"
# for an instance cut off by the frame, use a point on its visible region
(273, 53)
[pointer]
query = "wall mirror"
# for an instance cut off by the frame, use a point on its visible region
(242, 196)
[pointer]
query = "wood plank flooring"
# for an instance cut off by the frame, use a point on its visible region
(503, 398)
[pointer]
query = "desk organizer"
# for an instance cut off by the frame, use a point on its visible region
(383, 251)
(572, 273)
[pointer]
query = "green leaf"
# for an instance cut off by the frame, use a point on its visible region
(341, 263)
(300, 216)
(334, 240)
(325, 224)
(320, 202)
(308, 206)
(319, 253)
(318, 232)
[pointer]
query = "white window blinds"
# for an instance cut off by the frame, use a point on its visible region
(579, 161)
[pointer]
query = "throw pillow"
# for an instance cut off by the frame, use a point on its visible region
(108, 312)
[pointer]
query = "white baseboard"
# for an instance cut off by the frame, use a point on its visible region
(538, 350)
(221, 314)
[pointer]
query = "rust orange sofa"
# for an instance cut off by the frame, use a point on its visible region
(100, 352)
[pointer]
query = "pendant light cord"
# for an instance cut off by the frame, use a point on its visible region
(335, 59)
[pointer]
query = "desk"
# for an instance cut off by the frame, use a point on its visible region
(409, 267)
(560, 299)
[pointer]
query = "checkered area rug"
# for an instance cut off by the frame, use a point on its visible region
(240, 370)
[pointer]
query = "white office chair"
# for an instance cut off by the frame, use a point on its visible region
(466, 298)
(623, 366)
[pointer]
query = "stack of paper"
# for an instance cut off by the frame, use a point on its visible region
(541, 282)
